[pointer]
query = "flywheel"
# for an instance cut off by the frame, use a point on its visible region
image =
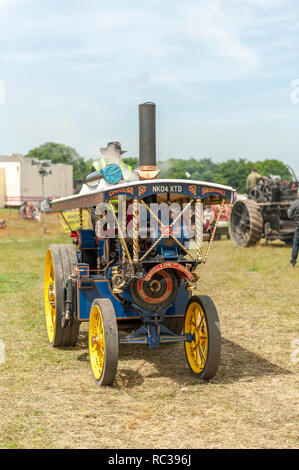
(160, 291)
(246, 223)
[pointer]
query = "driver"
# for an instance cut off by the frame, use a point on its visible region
(252, 179)
(112, 155)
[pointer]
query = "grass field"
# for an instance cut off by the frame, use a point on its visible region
(17, 227)
(48, 398)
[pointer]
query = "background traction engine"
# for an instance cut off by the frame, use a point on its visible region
(135, 287)
(264, 213)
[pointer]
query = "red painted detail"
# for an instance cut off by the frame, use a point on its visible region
(141, 190)
(74, 234)
(192, 189)
(169, 264)
(129, 190)
(213, 190)
(167, 231)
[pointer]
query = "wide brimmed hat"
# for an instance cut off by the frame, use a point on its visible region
(112, 147)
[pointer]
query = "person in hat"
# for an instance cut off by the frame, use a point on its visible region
(112, 154)
(252, 179)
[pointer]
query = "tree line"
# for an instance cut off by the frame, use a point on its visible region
(232, 172)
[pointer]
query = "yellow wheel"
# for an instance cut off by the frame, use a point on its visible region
(203, 347)
(58, 267)
(103, 341)
(50, 300)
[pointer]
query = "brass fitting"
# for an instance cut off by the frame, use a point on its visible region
(118, 280)
(190, 285)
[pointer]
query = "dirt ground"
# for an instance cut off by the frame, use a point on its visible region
(48, 398)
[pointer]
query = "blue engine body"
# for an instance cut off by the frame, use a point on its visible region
(89, 286)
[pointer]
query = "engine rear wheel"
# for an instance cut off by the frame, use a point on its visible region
(246, 223)
(175, 325)
(58, 267)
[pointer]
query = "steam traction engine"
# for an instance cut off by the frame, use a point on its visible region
(131, 276)
(264, 213)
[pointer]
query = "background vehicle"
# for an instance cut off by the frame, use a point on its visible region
(264, 213)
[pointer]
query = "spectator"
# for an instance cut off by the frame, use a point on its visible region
(35, 212)
(22, 210)
(252, 179)
(293, 213)
(28, 211)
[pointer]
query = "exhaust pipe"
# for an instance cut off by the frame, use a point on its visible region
(147, 142)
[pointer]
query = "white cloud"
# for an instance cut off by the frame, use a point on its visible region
(140, 39)
(2, 91)
(295, 26)
(264, 3)
(210, 24)
(5, 3)
(21, 57)
(100, 60)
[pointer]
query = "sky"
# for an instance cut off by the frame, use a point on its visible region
(224, 75)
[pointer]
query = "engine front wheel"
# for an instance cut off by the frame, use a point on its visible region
(103, 341)
(203, 348)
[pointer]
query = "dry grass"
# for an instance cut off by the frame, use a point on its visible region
(48, 398)
(17, 227)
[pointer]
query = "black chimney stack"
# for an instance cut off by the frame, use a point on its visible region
(147, 134)
(147, 141)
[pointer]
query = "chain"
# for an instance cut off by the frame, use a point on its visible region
(135, 231)
(122, 213)
(81, 218)
(198, 229)
(121, 237)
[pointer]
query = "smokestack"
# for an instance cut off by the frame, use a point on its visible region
(147, 134)
(147, 141)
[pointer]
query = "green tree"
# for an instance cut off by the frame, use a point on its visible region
(59, 153)
(132, 161)
(273, 167)
(233, 173)
(180, 168)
